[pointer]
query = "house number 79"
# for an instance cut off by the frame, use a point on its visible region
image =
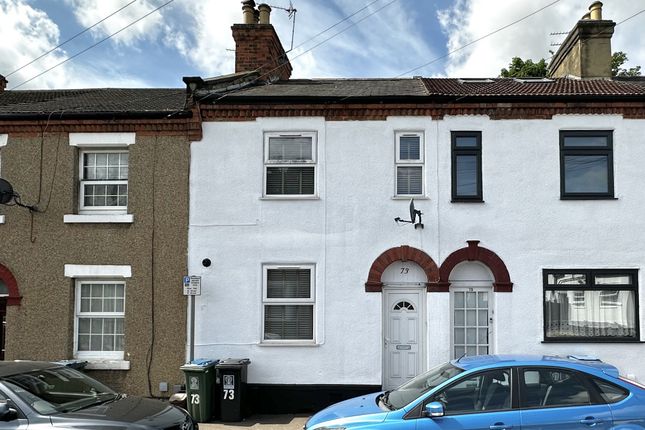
(404, 270)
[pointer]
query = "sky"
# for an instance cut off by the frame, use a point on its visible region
(386, 38)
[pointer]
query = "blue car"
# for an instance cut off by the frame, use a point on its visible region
(499, 392)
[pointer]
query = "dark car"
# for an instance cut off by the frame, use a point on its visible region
(42, 395)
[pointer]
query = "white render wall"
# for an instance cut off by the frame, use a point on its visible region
(522, 220)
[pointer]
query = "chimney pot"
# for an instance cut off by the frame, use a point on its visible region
(3, 83)
(265, 13)
(248, 11)
(595, 10)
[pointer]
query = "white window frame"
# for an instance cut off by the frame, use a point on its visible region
(100, 209)
(420, 162)
(110, 355)
(285, 163)
(103, 360)
(286, 301)
(92, 142)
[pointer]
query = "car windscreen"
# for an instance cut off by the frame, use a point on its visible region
(51, 391)
(421, 384)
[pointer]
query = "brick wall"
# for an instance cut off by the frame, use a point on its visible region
(257, 46)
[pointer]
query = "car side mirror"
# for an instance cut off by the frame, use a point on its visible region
(7, 413)
(434, 410)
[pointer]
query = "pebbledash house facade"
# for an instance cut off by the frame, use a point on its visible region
(92, 270)
(530, 194)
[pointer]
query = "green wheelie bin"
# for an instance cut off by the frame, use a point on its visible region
(200, 383)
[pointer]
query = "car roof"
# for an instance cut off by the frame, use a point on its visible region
(9, 368)
(584, 363)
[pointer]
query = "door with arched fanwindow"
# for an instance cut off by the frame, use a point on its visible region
(472, 310)
(404, 295)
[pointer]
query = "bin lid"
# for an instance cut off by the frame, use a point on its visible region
(199, 363)
(234, 362)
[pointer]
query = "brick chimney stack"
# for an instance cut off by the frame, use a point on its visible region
(586, 51)
(257, 46)
(3, 83)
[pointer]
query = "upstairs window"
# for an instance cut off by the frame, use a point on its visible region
(288, 303)
(290, 164)
(104, 180)
(409, 164)
(586, 165)
(466, 166)
(586, 304)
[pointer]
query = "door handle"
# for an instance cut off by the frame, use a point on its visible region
(500, 426)
(590, 421)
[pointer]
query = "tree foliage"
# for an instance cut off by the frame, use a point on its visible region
(524, 69)
(617, 60)
(519, 68)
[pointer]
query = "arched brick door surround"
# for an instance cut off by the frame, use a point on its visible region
(12, 285)
(401, 253)
(473, 252)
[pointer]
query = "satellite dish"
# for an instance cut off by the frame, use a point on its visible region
(414, 212)
(6, 192)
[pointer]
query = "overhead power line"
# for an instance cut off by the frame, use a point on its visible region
(478, 39)
(70, 39)
(93, 45)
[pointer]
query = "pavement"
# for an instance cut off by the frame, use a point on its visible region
(264, 422)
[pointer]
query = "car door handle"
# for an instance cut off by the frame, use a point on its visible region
(590, 421)
(500, 426)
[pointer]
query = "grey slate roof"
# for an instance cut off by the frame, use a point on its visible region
(443, 87)
(338, 88)
(117, 101)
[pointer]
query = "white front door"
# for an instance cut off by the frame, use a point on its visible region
(403, 316)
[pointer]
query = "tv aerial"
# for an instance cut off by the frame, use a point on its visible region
(413, 217)
(8, 195)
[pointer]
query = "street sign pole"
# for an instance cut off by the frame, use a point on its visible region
(191, 299)
(192, 287)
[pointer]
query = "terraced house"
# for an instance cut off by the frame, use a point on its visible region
(522, 236)
(93, 243)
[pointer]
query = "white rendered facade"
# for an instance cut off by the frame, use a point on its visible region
(349, 222)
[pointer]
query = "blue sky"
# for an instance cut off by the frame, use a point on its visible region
(193, 38)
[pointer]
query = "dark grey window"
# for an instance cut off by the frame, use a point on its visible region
(409, 164)
(290, 165)
(466, 166)
(487, 391)
(288, 303)
(609, 392)
(586, 165)
(550, 388)
(587, 304)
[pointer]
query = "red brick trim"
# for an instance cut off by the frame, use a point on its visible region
(189, 127)
(473, 252)
(12, 285)
(402, 253)
(353, 112)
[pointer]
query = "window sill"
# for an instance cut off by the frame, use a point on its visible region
(591, 340)
(407, 198)
(467, 201)
(588, 198)
(99, 219)
(287, 343)
(105, 364)
(289, 198)
(1, 219)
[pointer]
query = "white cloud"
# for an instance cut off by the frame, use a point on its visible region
(470, 19)
(27, 33)
(89, 12)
